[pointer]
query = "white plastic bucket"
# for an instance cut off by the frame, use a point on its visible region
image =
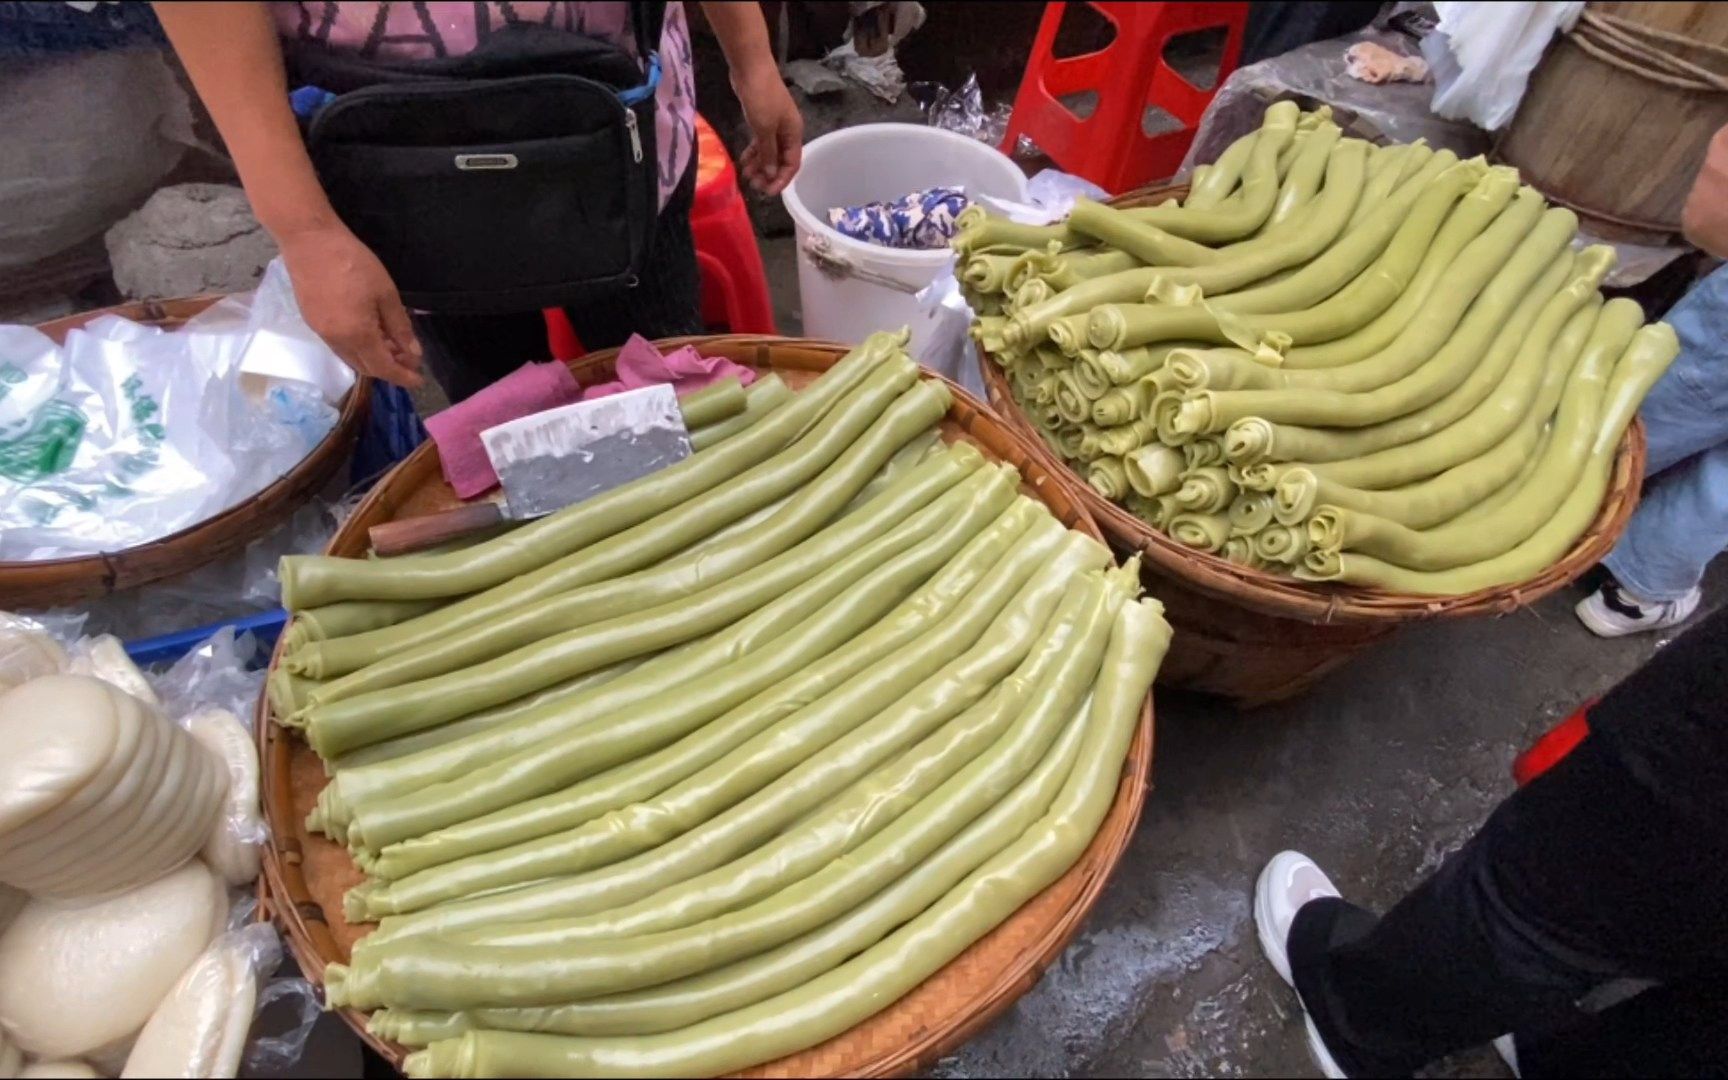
(850, 289)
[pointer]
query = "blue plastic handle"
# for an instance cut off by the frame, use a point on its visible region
(167, 648)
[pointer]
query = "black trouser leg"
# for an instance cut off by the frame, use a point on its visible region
(1679, 1029)
(1600, 869)
(467, 353)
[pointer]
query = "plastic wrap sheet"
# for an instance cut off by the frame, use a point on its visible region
(243, 583)
(128, 433)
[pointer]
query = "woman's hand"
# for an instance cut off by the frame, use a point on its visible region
(348, 299)
(776, 128)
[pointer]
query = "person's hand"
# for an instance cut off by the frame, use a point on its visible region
(776, 129)
(348, 299)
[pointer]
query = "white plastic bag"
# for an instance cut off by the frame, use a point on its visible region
(1052, 193)
(128, 433)
(948, 346)
(27, 651)
(233, 847)
(1482, 55)
(945, 322)
(200, 1028)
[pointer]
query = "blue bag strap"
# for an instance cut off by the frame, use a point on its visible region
(649, 85)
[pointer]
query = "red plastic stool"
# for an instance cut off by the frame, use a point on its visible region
(734, 285)
(1110, 147)
(1553, 746)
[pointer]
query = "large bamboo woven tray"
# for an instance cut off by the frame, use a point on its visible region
(306, 875)
(48, 582)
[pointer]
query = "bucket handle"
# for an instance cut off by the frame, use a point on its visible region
(835, 265)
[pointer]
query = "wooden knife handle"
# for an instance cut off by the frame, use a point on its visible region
(418, 534)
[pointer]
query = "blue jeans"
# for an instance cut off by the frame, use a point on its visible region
(1682, 522)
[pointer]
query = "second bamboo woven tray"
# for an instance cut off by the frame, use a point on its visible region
(305, 875)
(76, 580)
(1282, 595)
(1258, 637)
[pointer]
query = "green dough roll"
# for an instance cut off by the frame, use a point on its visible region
(1446, 361)
(713, 403)
(869, 537)
(764, 396)
(486, 839)
(634, 548)
(1403, 300)
(650, 725)
(572, 964)
(848, 994)
(1646, 358)
(518, 824)
(1447, 495)
(1575, 426)
(800, 517)
(861, 724)
(309, 581)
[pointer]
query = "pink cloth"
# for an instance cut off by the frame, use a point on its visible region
(640, 364)
(531, 388)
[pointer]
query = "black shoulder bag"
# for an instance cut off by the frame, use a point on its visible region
(517, 176)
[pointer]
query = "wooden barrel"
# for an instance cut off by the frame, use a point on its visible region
(49, 582)
(1619, 113)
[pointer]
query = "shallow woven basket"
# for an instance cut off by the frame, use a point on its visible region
(1259, 636)
(48, 582)
(306, 875)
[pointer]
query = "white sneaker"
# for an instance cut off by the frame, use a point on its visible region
(1613, 612)
(1290, 880)
(1508, 1051)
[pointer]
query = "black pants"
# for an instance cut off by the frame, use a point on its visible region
(466, 353)
(1612, 865)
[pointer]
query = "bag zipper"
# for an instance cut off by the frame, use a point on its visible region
(630, 122)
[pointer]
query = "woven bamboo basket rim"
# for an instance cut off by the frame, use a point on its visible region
(1320, 602)
(48, 582)
(909, 1035)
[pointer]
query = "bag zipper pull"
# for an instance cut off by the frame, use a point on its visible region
(630, 122)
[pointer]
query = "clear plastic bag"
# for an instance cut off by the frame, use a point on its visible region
(216, 675)
(238, 585)
(128, 433)
(30, 649)
(963, 110)
(295, 1000)
(104, 657)
(1052, 193)
(203, 1026)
